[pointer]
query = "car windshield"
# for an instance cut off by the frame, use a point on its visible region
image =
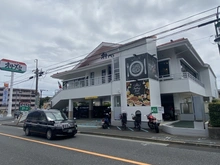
(55, 116)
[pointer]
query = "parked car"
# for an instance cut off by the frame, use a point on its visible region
(49, 123)
(17, 113)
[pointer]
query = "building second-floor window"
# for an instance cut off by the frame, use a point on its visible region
(116, 70)
(187, 68)
(103, 76)
(92, 81)
(164, 69)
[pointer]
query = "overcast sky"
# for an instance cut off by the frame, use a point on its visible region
(57, 31)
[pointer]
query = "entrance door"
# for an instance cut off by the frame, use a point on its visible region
(117, 107)
(168, 104)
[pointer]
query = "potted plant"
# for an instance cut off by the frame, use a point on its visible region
(214, 121)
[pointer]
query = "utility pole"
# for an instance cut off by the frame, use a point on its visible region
(217, 29)
(37, 74)
(36, 89)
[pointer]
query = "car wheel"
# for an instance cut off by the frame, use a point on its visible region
(27, 132)
(49, 134)
(72, 135)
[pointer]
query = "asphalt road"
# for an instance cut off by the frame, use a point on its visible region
(18, 149)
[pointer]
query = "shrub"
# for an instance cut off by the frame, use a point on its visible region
(215, 101)
(214, 113)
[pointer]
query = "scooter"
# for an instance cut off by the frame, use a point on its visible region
(153, 123)
(123, 118)
(105, 122)
(137, 121)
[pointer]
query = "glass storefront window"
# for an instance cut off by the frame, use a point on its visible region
(186, 108)
(117, 101)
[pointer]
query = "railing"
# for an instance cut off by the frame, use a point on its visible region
(177, 76)
(85, 82)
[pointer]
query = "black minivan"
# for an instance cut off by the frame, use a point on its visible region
(50, 123)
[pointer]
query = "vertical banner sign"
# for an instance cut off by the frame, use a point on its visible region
(5, 96)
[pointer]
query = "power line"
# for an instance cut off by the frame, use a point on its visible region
(175, 28)
(148, 32)
(160, 33)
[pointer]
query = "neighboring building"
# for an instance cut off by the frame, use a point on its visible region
(140, 76)
(23, 96)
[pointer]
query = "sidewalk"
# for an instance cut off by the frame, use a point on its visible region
(93, 127)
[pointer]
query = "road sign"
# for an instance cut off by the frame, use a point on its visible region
(12, 66)
(25, 106)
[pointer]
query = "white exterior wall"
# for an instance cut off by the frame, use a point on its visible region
(99, 90)
(154, 85)
(213, 84)
(209, 81)
(204, 76)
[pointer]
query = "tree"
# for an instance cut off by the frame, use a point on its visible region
(44, 100)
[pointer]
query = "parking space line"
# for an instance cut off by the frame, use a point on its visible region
(130, 129)
(144, 130)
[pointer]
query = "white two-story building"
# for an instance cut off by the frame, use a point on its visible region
(140, 76)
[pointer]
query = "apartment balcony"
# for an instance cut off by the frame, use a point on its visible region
(181, 82)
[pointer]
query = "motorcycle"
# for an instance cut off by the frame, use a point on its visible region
(106, 122)
(123, 118)
(137, 121)
(153, 123)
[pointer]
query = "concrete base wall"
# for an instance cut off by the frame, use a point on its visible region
(185, 131)
(214, 132)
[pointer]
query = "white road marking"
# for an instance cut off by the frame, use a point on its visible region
(119, 128)
(88, 126)
(144, 143)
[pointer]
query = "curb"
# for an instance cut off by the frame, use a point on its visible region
(152, 140)
(142, 139)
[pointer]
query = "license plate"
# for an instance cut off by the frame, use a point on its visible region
(70, 131)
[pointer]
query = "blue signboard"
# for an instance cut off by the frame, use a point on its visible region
(5, 97)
